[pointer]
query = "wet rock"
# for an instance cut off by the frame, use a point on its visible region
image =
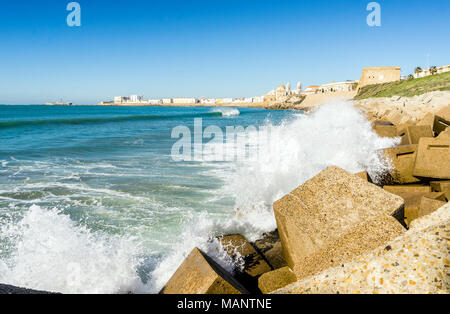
(270, 246)
(239, 248)
(7, 289)
(402, 159)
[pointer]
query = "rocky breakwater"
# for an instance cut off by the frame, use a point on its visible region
(341, 233)
(404, 110)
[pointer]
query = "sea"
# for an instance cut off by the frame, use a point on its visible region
(92, 199)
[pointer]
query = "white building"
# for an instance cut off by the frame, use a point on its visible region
(167, 101)
(121, 99)
(136, 99)
(259, 99)
(208, 101)
(346, 86)
(155, 101)
(427, 72)
(185, 100)
(313, 89)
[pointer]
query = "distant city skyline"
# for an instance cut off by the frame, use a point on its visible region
(212, 49)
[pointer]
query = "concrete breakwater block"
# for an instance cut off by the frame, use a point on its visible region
(199, 274)
(237, 246)
(411, 134)
(433, 159)
(403, 189)
(445, 134)
(412, 195)
(416, 262)
(402, 159)
(333, 218)
(441, 186)
(442, 120)
(365, 176)
(385, 129)
(431, 203)
(428, 119)
(270, 246)
(276, 279)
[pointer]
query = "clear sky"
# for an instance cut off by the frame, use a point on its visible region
(213, 48)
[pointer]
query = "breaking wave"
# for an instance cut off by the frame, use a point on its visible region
(227, 112)
(46, 250)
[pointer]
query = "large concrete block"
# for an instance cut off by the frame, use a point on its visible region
(428, 119)
(385, 129)
(270, 246)
(276, 279)
(442, 120)
(445, 134)
(429, 205)
(335, 208)
(199, 274)
(365, 176)
(402, 159)
(238, 247)
(402, 189)
(440, 186)
(412, 198)
(415, 263)
(433, 159)
(411, 134)
(395, 117)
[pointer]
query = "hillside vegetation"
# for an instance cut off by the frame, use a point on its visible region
(409, 88)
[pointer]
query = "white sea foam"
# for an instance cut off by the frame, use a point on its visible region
(51, 253)
(334, 135)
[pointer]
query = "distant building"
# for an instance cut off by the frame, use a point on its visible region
(121, 99)
(167, 101)
(313, 89)
(208, 101)
(155, 101)
(427, 72)
(298, 91)
(346, 86)
(281, 92)
(136, 99)
(259, 99)
(185, 100)
(379, 75)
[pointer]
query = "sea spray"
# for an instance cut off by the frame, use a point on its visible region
(52, 253)
(335, 134)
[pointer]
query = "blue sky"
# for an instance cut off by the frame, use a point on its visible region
(214, 48)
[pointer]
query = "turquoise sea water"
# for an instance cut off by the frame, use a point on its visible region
(74, 175)
(92, 202)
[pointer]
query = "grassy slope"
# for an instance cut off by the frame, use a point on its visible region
(438, 82)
